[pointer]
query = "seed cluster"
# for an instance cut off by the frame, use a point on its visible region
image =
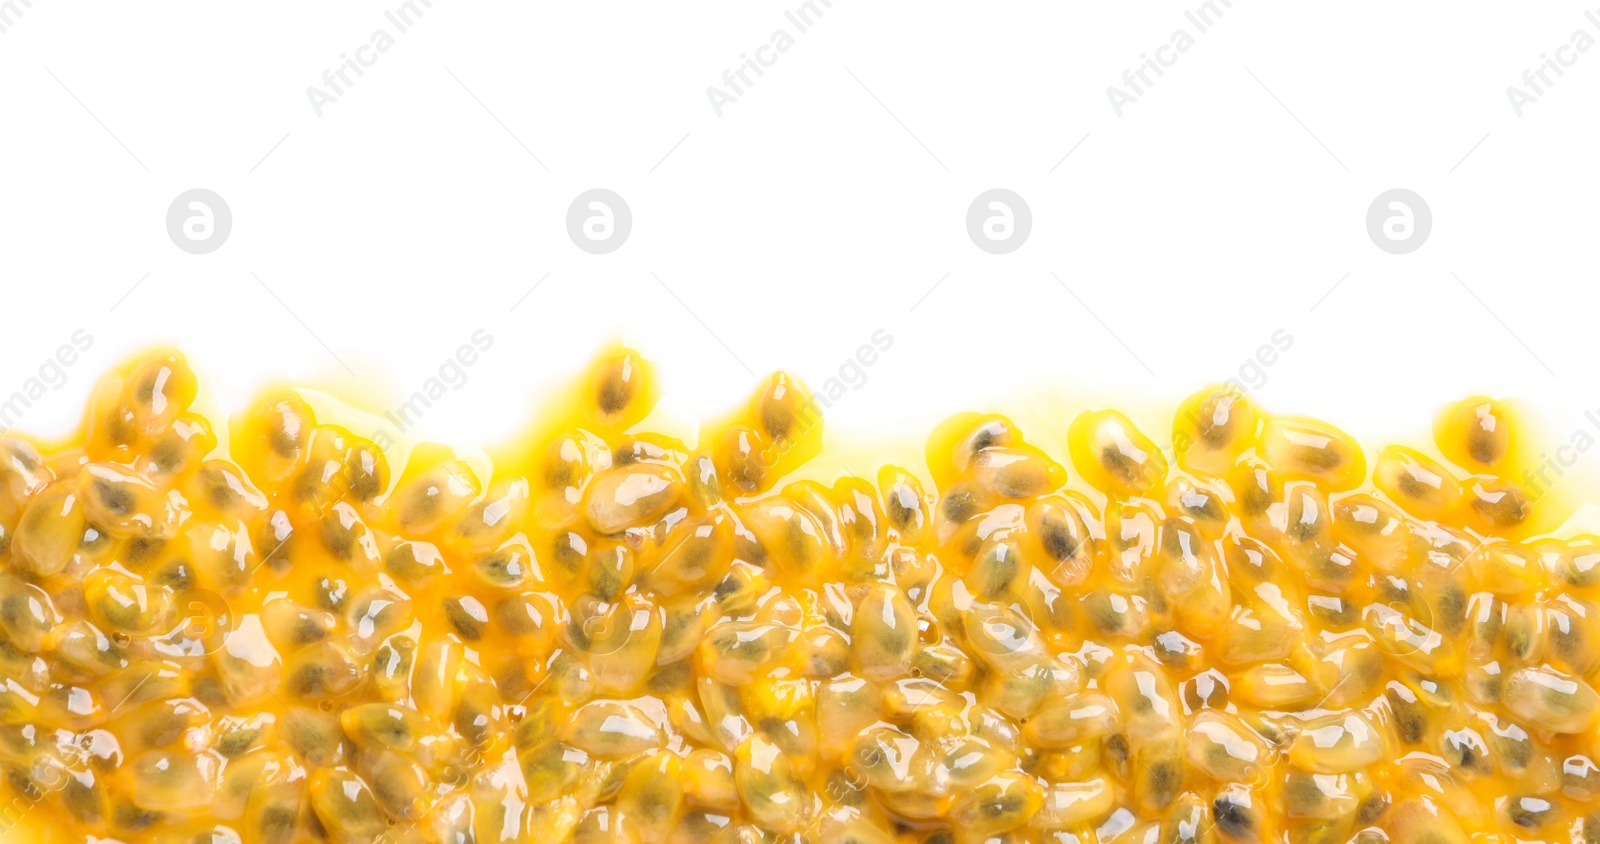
(1244, 638)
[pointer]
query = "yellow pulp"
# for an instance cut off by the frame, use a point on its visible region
(1261, 633)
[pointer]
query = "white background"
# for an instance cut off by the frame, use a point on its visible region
(823, 205)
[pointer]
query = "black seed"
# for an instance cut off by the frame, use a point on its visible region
(311, 679)
(1204, 505)
(570, 552)
(467, 615)
(614, 393)
(307, 630)
(1105, 616)
(1119, 465)
(1503, 505)
(1301, 793)
(337, 538)
(1519, 639)
(1515, 753)
(777, 421)
(208, 690)
(1465, 749)
(1591, 829)
(1528, 812)
(1172, 648)
(1451, 602)
(221, 496)
(131, 818)
(958, 506)
(999, 568)
(142, 548)
(175, 574)
(116, 499)
(1058, 539)
(82, 800)
(1234, 818)
(1483, 446)
(1165, 778)
(237, 738)
(1257, 499)
(1116, 748)
(1332, 609)
(314, 736)
(993, 432)
(1373, 808)
(361, 474)
(277, 823)
(332, 593)
(167, 453)
(1412, 487)
(1393, 589)
(502, 568)
(669, 677)
(164, 726)
(1306, 527)
(284, 439)
(24, 784)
